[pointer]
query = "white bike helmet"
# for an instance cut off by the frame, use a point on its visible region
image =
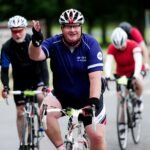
(17, 21)
(71, 16)
(119, 37)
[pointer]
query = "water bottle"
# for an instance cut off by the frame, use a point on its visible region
(41, 131)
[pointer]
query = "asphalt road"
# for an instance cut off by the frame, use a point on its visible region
(8, 131)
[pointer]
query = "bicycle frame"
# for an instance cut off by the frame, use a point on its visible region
(76, 137)
(126, 116)
(30, 134)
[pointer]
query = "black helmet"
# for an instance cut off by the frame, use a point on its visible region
(125, 26)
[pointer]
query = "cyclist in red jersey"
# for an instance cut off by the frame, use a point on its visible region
(134, 34)
(128, 58)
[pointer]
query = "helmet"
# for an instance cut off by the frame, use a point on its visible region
(71, 16)
(17, 21)
(119, 37)
(125, 26)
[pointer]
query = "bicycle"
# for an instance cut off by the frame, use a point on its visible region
(32, 131)
(128, 116)
(75, 137)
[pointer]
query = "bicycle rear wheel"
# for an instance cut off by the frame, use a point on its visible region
(137, 121)
(122, 123)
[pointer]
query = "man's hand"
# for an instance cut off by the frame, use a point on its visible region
(5, 92)
(86, 117)
(46, 90)
(94, 101)
(37, 37)
(147, 67)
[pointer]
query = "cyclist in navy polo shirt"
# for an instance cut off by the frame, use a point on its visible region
(77, 65)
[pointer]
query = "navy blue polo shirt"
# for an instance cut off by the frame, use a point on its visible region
(70, 69)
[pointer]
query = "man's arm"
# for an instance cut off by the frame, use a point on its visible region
(44, 73)
(145, 54)
(138, 61)
(95, 84)
(35, 51)
(4, 77)
(108, 65)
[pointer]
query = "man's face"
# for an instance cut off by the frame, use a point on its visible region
(123, 46)
(18, 34)
(71, 32)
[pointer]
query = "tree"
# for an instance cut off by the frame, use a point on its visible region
(95, 12)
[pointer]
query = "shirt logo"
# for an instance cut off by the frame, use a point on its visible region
(100, 56)
(81, 58)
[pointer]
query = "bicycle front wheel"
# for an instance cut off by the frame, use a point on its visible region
(82, 143)
(76, 146)
(122, 123)
(36, 130)
(69, 145)
(25, 143)
(136, 127)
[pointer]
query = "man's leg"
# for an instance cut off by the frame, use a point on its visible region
(40, 96)
(139, 92)
(53, 129)
(97, 138)
(20, 120)
(139, 86)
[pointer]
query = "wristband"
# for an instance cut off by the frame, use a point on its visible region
(94, 101)
(37, 38)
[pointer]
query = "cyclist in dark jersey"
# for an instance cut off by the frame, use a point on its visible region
(26, 73)
(134, 34)
(77, 65)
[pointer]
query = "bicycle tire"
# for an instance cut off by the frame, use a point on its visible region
(122, 123)
(26, 135)
(30, 136)
(137, 123)
(83, 144)
(35, 130)
(68, 145)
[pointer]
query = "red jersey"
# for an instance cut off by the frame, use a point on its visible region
(136, 35)
(124, 59)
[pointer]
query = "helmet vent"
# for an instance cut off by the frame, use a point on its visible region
(71, 16)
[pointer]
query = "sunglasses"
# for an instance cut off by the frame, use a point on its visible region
(71, 25)
(16, 31)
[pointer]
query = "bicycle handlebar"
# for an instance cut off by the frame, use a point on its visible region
(123, 80)
(26, 92)
(71, 112)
